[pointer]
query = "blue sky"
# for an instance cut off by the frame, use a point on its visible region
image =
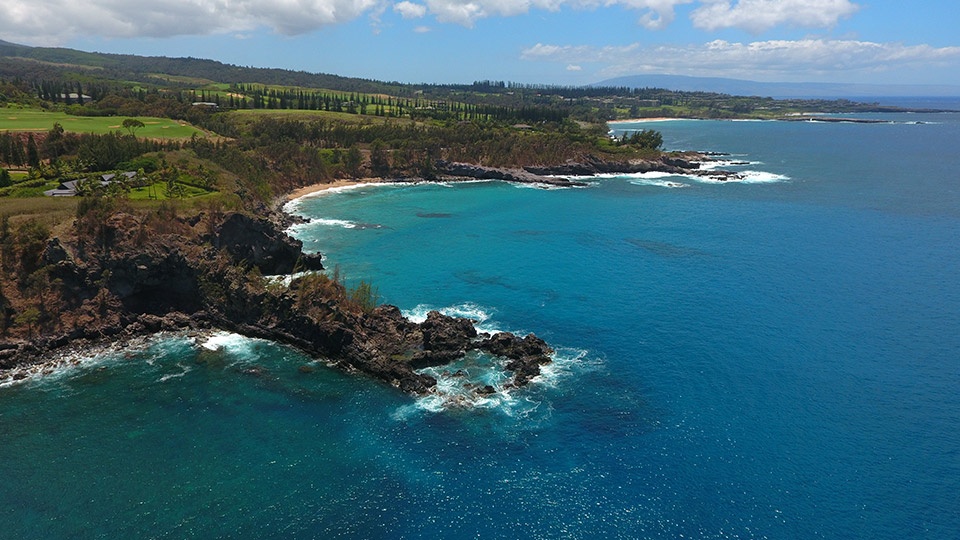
(532, 41)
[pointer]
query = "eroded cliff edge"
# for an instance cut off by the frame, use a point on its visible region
(122, 274)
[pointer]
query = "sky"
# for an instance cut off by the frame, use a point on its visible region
(564, 42)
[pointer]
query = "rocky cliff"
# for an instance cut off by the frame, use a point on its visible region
(684, 163)
(207, 272)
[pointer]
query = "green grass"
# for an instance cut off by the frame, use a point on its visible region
(251, 115)
(39, 120)
(157, 192)
(199, 81)
(53, 211)
(297, 113)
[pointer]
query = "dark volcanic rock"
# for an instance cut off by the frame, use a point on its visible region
(526, 354)
(593, 165)
(680, 162)
(125, 285)
(55, 253)
(6, 313)
(444, 339)
(523, 176)
(258, 242)
(154, 281)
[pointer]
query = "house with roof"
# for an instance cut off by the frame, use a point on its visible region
(70, 187)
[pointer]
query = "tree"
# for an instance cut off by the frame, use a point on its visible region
(647, 138)
(29, 318)
(352, 161)
(5, 179)
(53, 145)
(132, 125)
(379, 159)
(33, 153)
(364, 296)
(29, 242)
(7, 256)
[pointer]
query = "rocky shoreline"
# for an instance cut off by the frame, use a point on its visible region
(208, 275)
(203, 274)
(678, 163)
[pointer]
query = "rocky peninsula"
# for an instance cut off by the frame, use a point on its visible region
(559, 175)
(118, 274)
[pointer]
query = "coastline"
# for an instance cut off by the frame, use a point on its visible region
(248, 240)
(654, 119)
(317, 189)
(376, 340)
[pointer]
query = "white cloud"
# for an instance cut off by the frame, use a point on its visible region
(422, 29)
(656, 13)
(761, 60)
(574, 67)
(409, 10)
(760, 15)
(58, 21)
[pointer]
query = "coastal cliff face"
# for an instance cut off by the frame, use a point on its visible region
(686, 163)
(680, 163)
(121, 274)
(124, 275)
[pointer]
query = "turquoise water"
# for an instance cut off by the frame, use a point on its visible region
(772, 358)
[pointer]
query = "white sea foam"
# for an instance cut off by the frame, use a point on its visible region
(658, 183)
(235, 345)
(648, 121)
(57, 367)
(714, 164)
(467, 310)
(668, 180)
(744, 177)
(220, 340)
(334, 223)
(567, 362)
(184, 371)
(539, 185)
(457, 386)
(286, 279)
(293, 205)
(66, 363)
(763, 177)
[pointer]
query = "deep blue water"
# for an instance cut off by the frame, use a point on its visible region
(773, 358)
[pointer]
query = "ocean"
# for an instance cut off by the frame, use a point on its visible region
(776, 357)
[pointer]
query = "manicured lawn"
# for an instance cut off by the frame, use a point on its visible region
(305, 115)
(158, 191)
(39, 120)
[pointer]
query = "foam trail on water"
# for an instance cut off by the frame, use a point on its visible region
(467, 310)
(334, 223)
(657, 179)
(185, 370)
(745, 177)
(566, 363)
(763, 177)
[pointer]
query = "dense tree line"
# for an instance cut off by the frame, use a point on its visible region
(93, 152)
(261, 97)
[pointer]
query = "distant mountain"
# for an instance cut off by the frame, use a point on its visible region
(741, 87)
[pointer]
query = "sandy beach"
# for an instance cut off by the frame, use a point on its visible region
(316, 188)
(656, 119)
